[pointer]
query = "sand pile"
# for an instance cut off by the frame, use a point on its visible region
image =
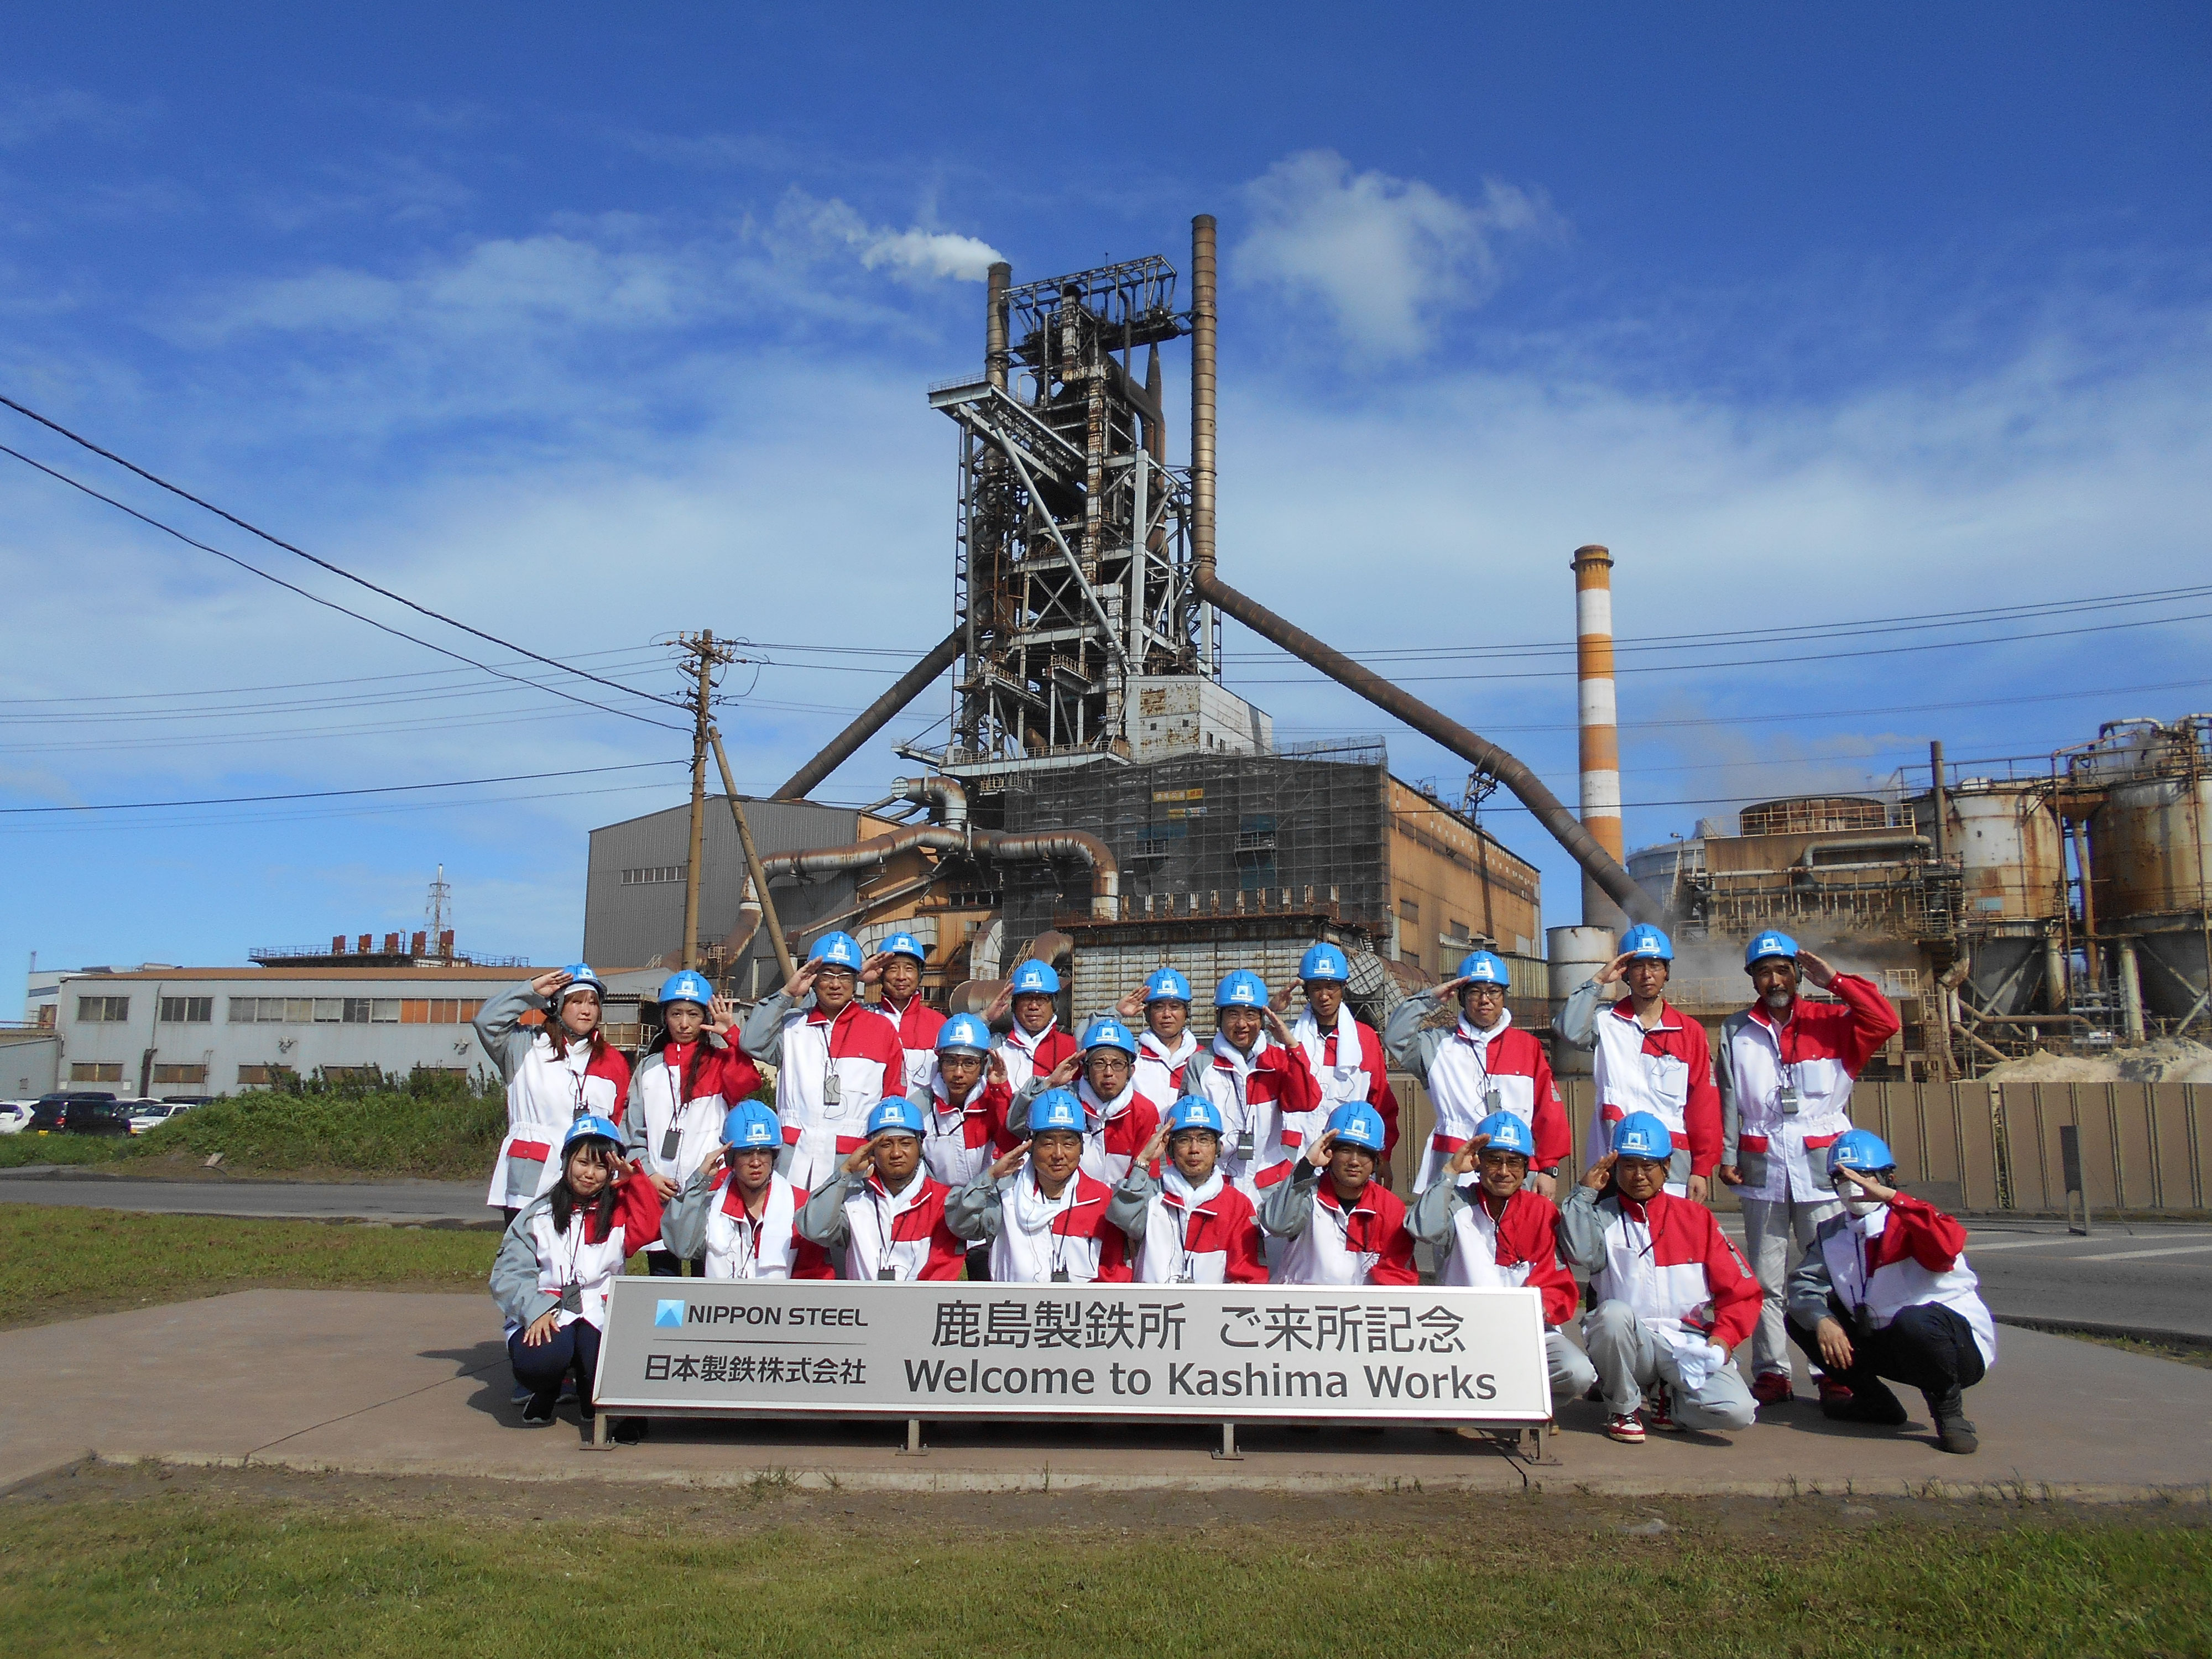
(2169, 1060)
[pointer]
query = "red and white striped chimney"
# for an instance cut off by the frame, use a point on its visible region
(1599, 728)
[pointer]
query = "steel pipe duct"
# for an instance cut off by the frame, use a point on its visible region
(1033, 847)
(943, 795)
(872, 719)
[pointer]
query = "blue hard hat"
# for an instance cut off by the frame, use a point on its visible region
(964, 1031)
(1769, 944)
(1324, 961)
(896, 1114)
(686, 987)
(749, 1126)
(1648, 942)
(905, 945)
(1862, 1150)
(1508, 1132)
(1109, 1033)
(1484, 968)
(1641, 1135)
(1193, 1112)
(1034, 976)
(590, 1126)
(1241, 989)
(1356, 1123)
(1055, 1108)
(838, 949)
(581, 978)
(1166, 985)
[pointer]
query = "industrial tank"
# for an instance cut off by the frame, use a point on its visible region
(2012, 884)
(2152, 847)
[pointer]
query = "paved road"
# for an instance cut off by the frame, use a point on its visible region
(404, 1202)
(2151, 1276)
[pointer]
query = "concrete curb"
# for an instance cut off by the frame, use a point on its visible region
(618, 1470)
(2086, 1327)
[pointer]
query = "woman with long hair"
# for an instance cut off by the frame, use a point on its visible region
(681, 1092)
(555, 1073)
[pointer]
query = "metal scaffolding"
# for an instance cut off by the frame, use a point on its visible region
(1073, 561)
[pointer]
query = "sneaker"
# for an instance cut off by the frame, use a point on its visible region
(1955, 1434)
(628, 1430)
(1772, 1388)
(1659, 1402)
(1835, 1397)
(536, 1412)
(1628, 1428)
(521, 1396)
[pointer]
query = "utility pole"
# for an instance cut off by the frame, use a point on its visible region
(705, 657)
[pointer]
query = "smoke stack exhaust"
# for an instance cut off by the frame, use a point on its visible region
(996, 360)
(1599, 722)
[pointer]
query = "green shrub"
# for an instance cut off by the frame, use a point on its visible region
(430, 1125)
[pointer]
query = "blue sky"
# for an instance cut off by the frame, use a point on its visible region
(587, 329)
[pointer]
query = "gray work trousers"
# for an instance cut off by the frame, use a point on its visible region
(1629, 1359)
(1571, 1371)
(1770, 1227)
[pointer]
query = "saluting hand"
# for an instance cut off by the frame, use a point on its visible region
(1613, 972)
(1276, 1029)
(871, 970)
(1600, 1172)
(996, 1063)
(1317, 1154)
(1451, 985)
(1816, 970)
(1064, 1074)
(801, 981)
(1154, 1147)
(1463, 1161)
(547, 983)
(1003, 1167)
(862, 1160)
(1868, 1185)
(722, 1016)
(1001, 1005)
(1131, 1007)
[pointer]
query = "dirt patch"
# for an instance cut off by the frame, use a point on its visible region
(2169, 1060)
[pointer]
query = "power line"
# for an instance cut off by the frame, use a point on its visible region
(275, 541)
(329, 794)
(641, 651)
(332, 605)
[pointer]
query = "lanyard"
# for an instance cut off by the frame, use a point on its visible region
(1183, 1243)
(749, 1231)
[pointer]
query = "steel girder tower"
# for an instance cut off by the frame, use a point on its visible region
(1073, 572)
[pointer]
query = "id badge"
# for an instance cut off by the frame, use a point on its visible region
(1186, 1276)
(572, 1298)
(1492, 1100)
(1060, 1275)
(1245, 1146)
(833, 1089)
(1790, 1100)
(887, 1273)
(669, 1142)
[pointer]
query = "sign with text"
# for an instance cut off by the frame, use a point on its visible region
(791, 1348)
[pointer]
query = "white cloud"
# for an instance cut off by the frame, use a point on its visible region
(1386, 256)
(913, 251)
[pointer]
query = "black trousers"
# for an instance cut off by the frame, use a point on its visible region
(666, 1264)
(573, 1347)
(1928, 1347)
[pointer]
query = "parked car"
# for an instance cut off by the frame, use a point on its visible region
(79, 1113)
(187, 1100)
(14, 1114)
(144, 1114)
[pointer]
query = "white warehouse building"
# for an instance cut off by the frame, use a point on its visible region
(215, 1031)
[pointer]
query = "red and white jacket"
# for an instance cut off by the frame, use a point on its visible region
(1348, 1063)
(711, 1222)
(537, 1261)
(1902, 1256)
(720, 1076)
(1319, 1242)
(1263, 1098)
(957, 1140)
(1158, 1070)
(917, 1025)
(1820, 1048)
(867, 1228)
(1462, 1067)
(1667, 1260)
(1481, 1246)
(1184, 1235)
(546, 1091)
(1028, 1057)
(804, 1044)
(1036, 1240)
(1667, 1071)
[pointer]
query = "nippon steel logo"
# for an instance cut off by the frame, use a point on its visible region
(668, 1310)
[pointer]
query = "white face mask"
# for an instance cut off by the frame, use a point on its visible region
(1860, 1207)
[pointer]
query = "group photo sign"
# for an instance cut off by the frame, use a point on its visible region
(793, 1347)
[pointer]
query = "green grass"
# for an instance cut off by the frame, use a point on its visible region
(431, 1126)
(179, 1575)
(62, 1260)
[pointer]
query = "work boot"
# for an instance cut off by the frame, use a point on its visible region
(1772, 1388)
(1952, 1432)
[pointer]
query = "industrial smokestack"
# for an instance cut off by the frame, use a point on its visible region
(1598, 723)
(1203, 272)
(995, 359)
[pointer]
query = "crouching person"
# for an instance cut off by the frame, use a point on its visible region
(881, 1216)
(1886, 1292)
(1489, 1229)
(737, 1215)
(1673, 1298)
(1337, 1225)
(558, 1259)
(1186, 1225)
(1044, 1217)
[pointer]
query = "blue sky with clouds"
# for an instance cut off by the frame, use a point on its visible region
(585, 327)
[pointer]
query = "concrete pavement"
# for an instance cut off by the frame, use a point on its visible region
(381, 1383)
(418, 1203)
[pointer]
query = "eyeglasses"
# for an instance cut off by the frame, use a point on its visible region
(1488, 993)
